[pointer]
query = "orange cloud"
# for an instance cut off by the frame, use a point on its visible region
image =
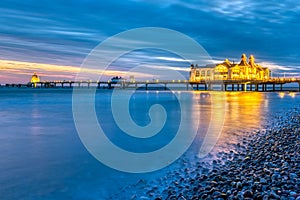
(20, 72)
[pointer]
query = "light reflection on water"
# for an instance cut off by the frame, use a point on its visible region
(41, 156)
(244, 111)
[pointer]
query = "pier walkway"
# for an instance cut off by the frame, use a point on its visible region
(272, 84)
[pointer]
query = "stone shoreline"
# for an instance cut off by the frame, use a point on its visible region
(264, 165)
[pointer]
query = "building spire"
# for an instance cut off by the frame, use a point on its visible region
(243, 60)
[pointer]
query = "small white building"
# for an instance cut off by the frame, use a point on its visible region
(35, 79)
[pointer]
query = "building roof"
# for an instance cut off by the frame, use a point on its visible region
(228, 64)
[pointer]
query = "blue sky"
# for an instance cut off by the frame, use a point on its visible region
(62, 33)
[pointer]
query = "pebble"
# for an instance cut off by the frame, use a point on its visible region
(248, 194)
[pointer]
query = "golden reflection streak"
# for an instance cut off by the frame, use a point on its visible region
(244, 108)
(281, 94)
(245, 112)
(292, 94)
(239, 111)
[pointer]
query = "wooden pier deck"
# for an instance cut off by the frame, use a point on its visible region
(272, 84)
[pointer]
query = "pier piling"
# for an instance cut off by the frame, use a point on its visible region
(245, 86)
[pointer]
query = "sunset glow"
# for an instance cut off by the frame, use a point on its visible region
(21, 72)
(43, 38)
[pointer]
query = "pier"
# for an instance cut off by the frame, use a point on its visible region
(225, 76)
(271, 84)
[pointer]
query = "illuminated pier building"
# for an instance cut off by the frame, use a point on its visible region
(230, 71)
(35, 79)
(243, 76)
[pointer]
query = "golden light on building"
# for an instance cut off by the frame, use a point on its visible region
(35, 79)
(230, 71)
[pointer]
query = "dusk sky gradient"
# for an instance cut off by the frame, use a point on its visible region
(53, 37)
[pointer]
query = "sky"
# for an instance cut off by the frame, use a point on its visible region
(54, 37)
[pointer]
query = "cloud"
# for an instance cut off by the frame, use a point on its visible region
(63, 33)
(172, 59)
(275, 67)
(166, 67)
(22, 71)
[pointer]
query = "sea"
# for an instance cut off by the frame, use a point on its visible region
(43, 153)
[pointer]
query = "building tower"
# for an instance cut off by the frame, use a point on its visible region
(34, 79)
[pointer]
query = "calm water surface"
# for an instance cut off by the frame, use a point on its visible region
(42, 157)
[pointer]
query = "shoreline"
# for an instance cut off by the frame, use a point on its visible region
(264, 165)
